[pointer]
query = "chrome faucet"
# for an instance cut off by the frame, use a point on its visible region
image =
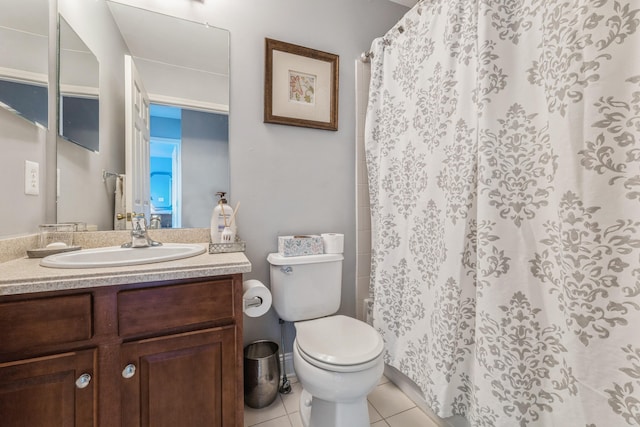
(139, 237)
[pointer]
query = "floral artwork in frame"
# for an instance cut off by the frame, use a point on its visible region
(301, 86)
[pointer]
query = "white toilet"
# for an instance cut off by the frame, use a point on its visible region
(338, 359)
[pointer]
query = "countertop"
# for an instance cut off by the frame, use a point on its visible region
(25, 275)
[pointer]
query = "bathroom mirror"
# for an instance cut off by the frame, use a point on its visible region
(78, 90)
(24, 58)
(184, 65)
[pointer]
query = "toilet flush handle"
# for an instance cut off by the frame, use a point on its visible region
(287, 269)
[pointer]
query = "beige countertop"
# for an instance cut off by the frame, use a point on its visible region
(25, 275)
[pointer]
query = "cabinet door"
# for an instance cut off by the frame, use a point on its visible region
(48, 391)
(185, 380)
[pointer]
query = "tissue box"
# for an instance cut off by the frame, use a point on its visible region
(299, 245)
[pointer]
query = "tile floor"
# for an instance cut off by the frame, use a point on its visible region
(388, 407)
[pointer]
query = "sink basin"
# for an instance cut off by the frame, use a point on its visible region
(115, 256)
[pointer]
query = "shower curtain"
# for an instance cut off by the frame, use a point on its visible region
(503, 151)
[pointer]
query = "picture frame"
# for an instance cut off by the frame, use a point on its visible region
(300, 86)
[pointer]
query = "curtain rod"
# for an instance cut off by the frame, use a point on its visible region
(366, 56)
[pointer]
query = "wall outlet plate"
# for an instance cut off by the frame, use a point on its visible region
(31, 178)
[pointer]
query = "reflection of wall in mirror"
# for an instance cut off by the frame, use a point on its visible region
(84, 196)
(202, 138)
(205, 139)
(78, 90)
(24, 55)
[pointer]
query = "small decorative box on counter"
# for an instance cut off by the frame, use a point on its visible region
(299, 245)
(226, 247)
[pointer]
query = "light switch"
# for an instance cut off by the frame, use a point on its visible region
(31, 178)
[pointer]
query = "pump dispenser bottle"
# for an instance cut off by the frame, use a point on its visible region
(220, 218)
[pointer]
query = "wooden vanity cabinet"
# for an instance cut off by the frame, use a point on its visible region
(153, 354)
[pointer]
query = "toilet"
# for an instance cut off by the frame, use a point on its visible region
(337, 359)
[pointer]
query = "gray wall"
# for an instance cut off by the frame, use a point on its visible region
(289, 179)
(20, 140)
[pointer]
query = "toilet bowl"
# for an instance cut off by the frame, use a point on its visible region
(338, 361)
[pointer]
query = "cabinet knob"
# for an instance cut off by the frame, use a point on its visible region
(129, 371)
(83, 380)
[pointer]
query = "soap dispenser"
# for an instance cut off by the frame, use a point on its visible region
(220, 218)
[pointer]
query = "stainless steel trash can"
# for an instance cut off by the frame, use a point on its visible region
(261, 373)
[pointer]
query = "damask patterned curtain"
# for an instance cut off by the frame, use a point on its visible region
(503, 152)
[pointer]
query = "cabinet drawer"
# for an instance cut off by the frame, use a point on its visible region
(152, 310)
(25, 325)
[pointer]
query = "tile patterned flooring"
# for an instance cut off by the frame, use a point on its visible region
(388, 407)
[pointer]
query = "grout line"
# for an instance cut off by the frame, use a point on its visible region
(385, 419)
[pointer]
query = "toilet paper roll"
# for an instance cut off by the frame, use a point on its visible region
(333, 243)
(251, 291)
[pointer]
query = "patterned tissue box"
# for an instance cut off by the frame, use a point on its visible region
(299, 245)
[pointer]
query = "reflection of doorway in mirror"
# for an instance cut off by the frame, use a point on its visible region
(165, 165)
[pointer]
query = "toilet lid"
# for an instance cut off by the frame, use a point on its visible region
(339, 340)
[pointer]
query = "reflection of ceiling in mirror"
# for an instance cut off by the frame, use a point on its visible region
(170, 40)
(181, 62)
(79, 69)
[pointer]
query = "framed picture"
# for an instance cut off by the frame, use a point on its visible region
(300, 86)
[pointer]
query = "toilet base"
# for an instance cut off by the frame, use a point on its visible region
(316, 412)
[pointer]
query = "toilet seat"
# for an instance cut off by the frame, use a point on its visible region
(338, 343)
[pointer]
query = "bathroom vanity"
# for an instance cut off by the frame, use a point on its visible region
(147, 345)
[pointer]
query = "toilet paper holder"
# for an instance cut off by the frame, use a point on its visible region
(252, 302)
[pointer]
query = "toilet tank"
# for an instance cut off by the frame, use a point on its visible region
(305, 287)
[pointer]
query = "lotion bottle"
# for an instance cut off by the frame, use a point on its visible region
(220, 217)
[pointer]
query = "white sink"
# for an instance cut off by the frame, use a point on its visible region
(115, 256)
